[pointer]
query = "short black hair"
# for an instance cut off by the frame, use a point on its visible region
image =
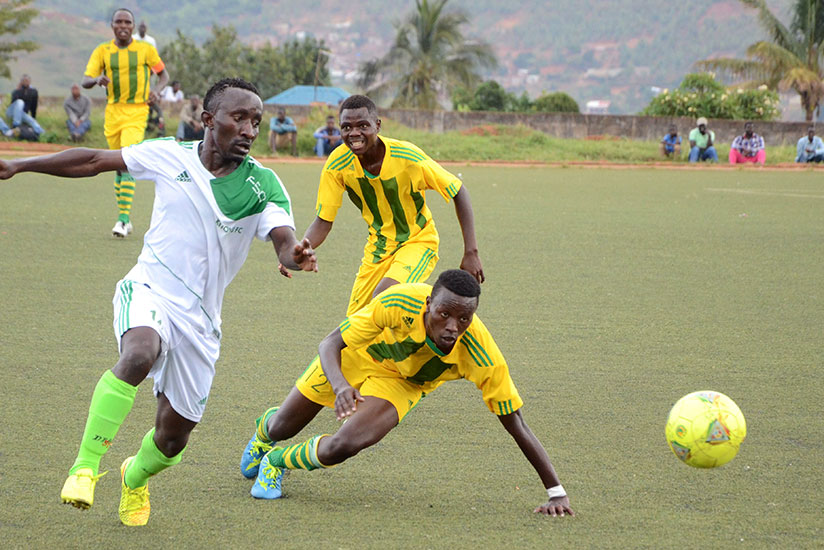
(122, 9)
(459, 282)
(358, 102)
(214, 94)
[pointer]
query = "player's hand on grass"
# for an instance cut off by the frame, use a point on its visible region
(346, 402)
(6, 170)
(471, 263)
(304, 256)
(556, 507)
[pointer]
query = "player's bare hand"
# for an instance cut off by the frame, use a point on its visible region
(346, 402)
(153, 97)
(471, 263)
(285, 272)
(556, 507)
(103, 80)
(304, 256)
(7, 169)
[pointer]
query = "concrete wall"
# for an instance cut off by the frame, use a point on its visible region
(562, 125)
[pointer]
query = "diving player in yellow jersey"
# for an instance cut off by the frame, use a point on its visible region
(375, 367)
(122, 66)
(386, 179)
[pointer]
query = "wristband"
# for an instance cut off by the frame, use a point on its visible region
(555, 492)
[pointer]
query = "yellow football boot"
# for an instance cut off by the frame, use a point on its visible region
(79, 488)
(134, 503)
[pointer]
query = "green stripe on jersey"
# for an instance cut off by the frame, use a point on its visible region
(342, 161)
(404, 156)
(406, 297)
(406, 151)
(430, 371)
(114, 65)
(479, 347)
(133, 77)
(396, 351)
(390, 191)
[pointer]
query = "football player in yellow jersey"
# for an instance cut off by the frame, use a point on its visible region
(122, 66)
(376, 366)
(386, 179)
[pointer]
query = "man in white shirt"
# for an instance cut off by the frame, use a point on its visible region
(211, 201)
(172, 93)
(141, 35)
(810, 148)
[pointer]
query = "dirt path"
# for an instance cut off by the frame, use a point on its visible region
(24, 149)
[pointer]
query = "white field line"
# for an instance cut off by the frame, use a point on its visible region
(764, 193)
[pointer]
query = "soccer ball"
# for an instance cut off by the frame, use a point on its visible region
(705, 429)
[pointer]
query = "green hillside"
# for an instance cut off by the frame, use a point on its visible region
(599, 49)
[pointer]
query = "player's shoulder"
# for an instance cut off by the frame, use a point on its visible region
(104, 47)
(265, 176)
(404, 150)
(339, 159)
(478, 344)
(410, 297)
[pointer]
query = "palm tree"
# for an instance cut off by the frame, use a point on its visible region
(790, 60)
(429, 58)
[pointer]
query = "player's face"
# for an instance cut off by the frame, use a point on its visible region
(748, 129)
(447, 317)
(123, 26)
(359, 129)
(236, 123)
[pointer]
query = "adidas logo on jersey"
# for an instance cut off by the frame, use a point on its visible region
(183, 177)
(408, 321)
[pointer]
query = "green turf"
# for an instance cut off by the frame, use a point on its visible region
(611, 293)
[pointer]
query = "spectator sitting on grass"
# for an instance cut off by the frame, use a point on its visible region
(702, 143)
(748, 147)
(282, 131)
(79, 110)
(328, 137)
(22, 110)
(190, 119)
(671, 143)
(810, 147)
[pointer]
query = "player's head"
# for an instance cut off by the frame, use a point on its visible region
(673, 130)
(141, 29)
(232, 111)
(330, 122)
(75, 91)
(359, 123)
(123, 24)
(811, 132)
(450, 307)
(748, 128)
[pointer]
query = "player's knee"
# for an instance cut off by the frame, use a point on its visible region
(170, 443)
(280, 427)
(338, 449)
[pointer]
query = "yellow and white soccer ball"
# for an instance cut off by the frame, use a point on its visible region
(705, 429)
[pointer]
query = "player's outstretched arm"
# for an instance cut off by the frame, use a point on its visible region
(72, 163)
(535, 453)
(294, 255)
(318, 231)
(346, 397)
(471, 261)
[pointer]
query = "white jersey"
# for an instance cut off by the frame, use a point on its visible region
(202, 227)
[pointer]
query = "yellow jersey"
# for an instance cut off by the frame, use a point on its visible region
(127, 69)
(392, 203)
(390, 331)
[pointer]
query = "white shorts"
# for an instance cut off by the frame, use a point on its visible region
(186, 366)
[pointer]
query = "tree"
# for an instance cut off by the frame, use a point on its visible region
(429, 59)
(557, 102)
(790, 59)
(14, 18)
(700, 94)
(271, 68)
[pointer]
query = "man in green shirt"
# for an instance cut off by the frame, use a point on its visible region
(702, 143)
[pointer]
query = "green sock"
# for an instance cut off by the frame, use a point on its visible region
(262, 421)
(148, 462)
(303, 456)
(111, 402)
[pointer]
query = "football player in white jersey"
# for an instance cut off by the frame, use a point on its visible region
(211, 200)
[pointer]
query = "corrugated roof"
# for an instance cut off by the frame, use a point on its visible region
(306, 95)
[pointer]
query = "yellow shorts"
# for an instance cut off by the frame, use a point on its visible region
(368, 378)
(411, 263)
(125, 124)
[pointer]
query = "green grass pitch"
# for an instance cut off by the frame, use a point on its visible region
(611, 293)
